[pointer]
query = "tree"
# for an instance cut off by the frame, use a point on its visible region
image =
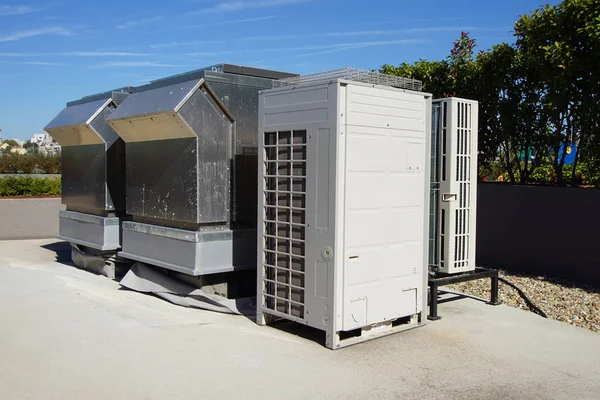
(537, 96)
(457, 75)
(435, 75)
(30, 145)
(11, 143)
(511, 120)
(563, 43)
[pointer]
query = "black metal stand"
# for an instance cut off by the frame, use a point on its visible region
(479, 273)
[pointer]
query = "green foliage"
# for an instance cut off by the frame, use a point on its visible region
(433, 74)
(561, 44)
(28, 186)
(536, 96)
(30, 145)
(544, 173)
(11, 143)
(29, 164)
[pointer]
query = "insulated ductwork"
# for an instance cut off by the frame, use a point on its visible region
(93, 171)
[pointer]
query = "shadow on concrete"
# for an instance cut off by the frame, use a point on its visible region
(303, 331)
(456, 296)
(62, 251)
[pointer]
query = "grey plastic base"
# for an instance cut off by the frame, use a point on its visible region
(100, 233)
(189, 252)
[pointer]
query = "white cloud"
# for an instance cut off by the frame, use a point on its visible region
(377, 32)
(52, 30)
(240, 5)
(143, 21)
(313, 49)
(105, 54)
(17, 10)
(182, 44)
(174, 27)
(40, 63)
(30, 62)
(79, 54)
(133, 64)
(360, 45)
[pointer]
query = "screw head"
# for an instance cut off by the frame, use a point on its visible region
(327, 253)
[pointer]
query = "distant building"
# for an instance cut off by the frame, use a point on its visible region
(45, 143)
(53, 148)
(41, 139)
(18, 150)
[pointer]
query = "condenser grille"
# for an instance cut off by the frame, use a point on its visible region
(463, 174)
(434, 189)
(284, 221)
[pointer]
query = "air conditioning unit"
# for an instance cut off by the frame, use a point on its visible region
(344, 206)
(456, 177)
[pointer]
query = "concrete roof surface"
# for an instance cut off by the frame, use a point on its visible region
(69, 334)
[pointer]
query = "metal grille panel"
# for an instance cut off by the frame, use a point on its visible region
(457, 155)
(284, 221)
(353, 74)
(463, 173)
(434, 187)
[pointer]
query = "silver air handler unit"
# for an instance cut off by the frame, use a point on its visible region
(93, 171)
(191, 169)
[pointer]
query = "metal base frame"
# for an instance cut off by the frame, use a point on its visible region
(93, 231)
(479, 273)
(189, 252)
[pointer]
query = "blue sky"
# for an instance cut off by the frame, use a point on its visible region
(52, 52)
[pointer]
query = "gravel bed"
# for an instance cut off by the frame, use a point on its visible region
(563, 301)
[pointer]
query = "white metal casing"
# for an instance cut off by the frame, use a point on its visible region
(344, 208)
(458, 185)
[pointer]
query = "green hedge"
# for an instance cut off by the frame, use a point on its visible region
(28, 186)
(29, 164)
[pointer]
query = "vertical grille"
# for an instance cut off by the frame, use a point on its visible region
(456, 145)
(284, 219)
(434, 185)
(463, 173)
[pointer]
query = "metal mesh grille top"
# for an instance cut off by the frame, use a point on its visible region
(353, 74)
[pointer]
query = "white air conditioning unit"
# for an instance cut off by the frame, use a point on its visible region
(344, 207)
(457, 178)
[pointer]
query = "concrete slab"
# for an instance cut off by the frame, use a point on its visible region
(68, 334)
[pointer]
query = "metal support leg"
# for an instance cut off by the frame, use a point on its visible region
(433, 302)
(494, 292)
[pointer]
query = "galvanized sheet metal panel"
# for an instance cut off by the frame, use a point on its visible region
(158, 100)
(75, 135)
(83, 176)
(162, 179)
(93, 157)
(101, 233)
(192, 253)
(71, 127)
(203, 116)
(78, 114)
(167, 125)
